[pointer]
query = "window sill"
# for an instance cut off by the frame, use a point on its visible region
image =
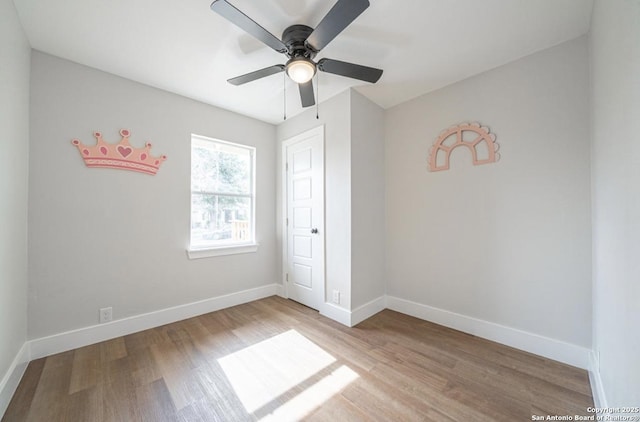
(222, 250)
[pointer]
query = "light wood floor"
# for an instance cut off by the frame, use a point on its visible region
(278, 360)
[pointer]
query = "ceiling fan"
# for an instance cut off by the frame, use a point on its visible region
(301, 43)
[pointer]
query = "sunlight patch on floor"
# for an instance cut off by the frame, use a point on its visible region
(313, 397)
(264, 371)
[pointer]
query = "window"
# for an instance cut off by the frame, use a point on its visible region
(222, 195)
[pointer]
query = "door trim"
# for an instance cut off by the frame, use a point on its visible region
(319, 130)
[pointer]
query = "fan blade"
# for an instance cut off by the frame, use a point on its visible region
(339, 17)
(350, 70)
(267, 71)
(236, 17)
(306, 94)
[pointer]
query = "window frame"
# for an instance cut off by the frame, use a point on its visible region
(223, 248)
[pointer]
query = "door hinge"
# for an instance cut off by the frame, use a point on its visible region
(286, 166)
(287, 221)
(287, 276)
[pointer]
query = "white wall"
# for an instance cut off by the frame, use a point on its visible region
(508, 243)
(615, 85)
(14, 159)
(367, 201)
(334, 114)
(102, 237)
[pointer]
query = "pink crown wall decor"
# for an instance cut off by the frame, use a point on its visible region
(119, 156)
(481, 143)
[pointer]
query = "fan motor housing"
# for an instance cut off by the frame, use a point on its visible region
(294, 38)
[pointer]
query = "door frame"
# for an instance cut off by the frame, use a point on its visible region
(319, 130)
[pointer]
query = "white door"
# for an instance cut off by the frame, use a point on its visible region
(304, 219)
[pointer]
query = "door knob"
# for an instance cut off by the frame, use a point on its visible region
(314, 231)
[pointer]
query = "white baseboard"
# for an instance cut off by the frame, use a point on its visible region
(351, 318)
(597, 389)
(62, 342)
(336, 313)
(280, 290)
(368, 310)
(568, 353)
(13, 376)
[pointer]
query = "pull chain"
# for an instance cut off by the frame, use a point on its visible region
(317, 93)
(284, 84)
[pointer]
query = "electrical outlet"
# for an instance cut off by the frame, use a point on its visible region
(106, 314)
(336, 297)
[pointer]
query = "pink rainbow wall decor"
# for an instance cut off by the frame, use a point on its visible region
(471, 135)
(119, 156)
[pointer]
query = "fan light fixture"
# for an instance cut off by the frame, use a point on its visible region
(300, 69)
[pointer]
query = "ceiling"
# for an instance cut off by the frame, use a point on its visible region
(185, 48)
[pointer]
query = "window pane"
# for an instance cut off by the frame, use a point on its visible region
(204, 169)
(219, 219)
(220, 168)
(234, 172)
